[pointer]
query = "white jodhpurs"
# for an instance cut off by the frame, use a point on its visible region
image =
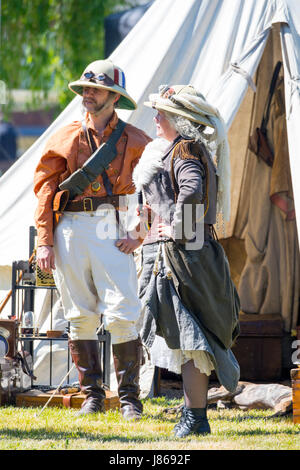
(94, 277)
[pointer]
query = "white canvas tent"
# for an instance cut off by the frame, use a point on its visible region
(216, 45)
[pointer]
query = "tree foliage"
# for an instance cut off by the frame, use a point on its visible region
(47, 43)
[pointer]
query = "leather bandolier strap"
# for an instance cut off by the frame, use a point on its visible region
(78, 181)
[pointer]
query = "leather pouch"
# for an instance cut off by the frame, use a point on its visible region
(60, 201)
(258, 141)
(258, 144)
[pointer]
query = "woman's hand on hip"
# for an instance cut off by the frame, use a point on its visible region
(164, 230)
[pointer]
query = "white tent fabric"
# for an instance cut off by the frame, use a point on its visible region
(216, 45)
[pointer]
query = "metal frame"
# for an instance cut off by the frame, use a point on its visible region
(22, 300)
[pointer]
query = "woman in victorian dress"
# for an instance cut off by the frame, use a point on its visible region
(190, 305)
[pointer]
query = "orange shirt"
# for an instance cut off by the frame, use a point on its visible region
(66, 151)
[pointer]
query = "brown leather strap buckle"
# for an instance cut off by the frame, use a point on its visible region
(87, 200)
(67, 399)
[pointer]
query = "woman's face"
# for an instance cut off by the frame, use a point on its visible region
(164, 128)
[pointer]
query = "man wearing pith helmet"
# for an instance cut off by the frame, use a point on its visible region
(78, 198)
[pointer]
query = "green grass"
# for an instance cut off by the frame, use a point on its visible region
(60, 429)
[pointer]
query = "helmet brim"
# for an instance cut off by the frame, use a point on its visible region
(125, 101)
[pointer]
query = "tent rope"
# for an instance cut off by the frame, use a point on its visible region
(236, 68)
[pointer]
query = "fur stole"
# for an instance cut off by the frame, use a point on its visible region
(150, 163)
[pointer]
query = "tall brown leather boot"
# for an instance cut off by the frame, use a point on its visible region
(127, 360)
(85, 355)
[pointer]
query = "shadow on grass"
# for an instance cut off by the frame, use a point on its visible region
(239, 419)
(45, 434)
(259, 432)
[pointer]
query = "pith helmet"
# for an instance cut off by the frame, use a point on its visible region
(104, 74)
(182, 100)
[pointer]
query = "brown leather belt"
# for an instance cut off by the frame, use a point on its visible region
(89, 204)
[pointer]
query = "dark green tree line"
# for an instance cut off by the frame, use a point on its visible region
(47, 43)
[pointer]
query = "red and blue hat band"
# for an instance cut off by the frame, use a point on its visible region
(119, 77)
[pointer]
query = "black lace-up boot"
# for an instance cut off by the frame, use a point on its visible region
(193, 421)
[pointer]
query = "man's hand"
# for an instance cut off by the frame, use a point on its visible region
(45, 258)
(145, 213)
(128, 245)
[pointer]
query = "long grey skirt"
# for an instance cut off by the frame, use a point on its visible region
(180, 331)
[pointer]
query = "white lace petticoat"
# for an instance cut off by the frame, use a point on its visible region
(172, 359)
